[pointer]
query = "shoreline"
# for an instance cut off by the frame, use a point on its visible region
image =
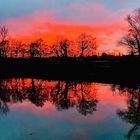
(121, 72)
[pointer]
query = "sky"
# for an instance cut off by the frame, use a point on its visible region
(48, 19)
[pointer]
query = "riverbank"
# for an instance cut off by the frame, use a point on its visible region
(73, 69)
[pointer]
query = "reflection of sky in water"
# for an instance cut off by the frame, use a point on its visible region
(25, 121)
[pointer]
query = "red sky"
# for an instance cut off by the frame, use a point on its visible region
(48, 20)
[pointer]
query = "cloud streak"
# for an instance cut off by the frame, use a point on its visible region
(48, 19)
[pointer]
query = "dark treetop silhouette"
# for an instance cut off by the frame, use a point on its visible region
(132, 39)
(85, 45)
(3, 41)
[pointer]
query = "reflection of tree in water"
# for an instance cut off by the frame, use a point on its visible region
(132, 113)
(35, 94)
(3, 99)
(87, 103)
(62, 94)
(66, 94)
(10, 92)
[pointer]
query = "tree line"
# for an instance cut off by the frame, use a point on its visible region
(84, 45)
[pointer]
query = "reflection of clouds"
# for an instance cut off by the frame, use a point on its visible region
(47, 110)
(81, 134)
(27, 121)
(106, 106)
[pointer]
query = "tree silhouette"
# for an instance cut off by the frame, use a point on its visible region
(36, 49)
(60, 96)
(132, 38)
(86, 105)
(61, 48)
(18, 49)
(35, 94)
(3, 41)
(86, 42)
(23, 50)
(132, 113)
(63, 95)
(41, 47)
(4, 98)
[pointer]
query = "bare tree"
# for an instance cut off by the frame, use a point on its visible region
(17, 48)
(12, 47)
(37, 48)
(61, 48)
(3, 32)
(23, 50)
(3, 41)
(86, 42)
(132, 38)
(33, 49)
(87, 104)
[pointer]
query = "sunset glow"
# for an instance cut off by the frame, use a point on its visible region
(45, 19)
(69, 69)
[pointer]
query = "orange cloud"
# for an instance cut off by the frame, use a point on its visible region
(37, 25)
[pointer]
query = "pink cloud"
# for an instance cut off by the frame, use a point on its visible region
(108, 30)
(98, 7)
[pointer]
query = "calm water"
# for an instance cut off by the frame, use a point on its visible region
(33, 109)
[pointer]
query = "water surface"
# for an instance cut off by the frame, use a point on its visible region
(32, 109)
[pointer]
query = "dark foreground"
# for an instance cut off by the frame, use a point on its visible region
(116, 71)
(65, 99)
